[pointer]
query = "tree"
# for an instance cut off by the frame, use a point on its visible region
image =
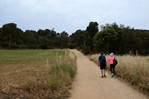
(11, 36)
(52, 37)
(105, 40)
(31, 39)
(91, 31)
(76, 39)
(1, 46)
(64, 39)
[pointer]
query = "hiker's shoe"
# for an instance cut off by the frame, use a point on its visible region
(112, 75)
(102, 76)
(105, 76)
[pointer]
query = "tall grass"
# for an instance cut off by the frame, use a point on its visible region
(134, 69)
(62, 74)
(36, 74)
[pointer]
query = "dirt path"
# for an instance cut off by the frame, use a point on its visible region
(89, 85)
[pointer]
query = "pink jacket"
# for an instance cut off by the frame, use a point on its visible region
(110, 59)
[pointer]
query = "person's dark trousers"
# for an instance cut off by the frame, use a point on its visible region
(112, 68)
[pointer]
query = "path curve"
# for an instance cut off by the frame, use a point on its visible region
(89, 85)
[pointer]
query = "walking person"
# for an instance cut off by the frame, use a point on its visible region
(112, 65)
(102, 64)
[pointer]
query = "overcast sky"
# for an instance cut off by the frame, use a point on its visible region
(71, 15)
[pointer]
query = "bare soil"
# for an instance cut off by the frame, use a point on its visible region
(88, 83)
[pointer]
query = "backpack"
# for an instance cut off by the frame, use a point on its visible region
(115, 62)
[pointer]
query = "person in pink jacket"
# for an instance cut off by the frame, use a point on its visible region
(112, 66)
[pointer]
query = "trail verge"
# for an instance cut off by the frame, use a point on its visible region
(89, 85)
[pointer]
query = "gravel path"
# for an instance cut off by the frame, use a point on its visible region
(89, 85)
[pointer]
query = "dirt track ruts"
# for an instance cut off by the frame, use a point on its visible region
(89, 85)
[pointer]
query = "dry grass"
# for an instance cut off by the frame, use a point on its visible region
(134, 69)
(28, 74)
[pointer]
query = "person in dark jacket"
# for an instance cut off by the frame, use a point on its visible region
(102, 64)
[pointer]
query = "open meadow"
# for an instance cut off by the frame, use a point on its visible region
(133, 69)
(34, 74)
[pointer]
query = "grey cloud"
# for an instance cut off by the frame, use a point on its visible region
(70, 15)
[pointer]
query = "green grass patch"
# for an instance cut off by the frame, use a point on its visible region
(36, 73)
(28, 55)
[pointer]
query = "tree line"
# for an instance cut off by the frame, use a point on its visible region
(12, 37)
(114, 38)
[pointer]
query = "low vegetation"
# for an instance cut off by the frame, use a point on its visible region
(134, 69)
(36, 74)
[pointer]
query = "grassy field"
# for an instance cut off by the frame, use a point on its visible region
(36, 74)
(134, 69)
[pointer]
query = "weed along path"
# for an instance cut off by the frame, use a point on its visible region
(89, 85)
